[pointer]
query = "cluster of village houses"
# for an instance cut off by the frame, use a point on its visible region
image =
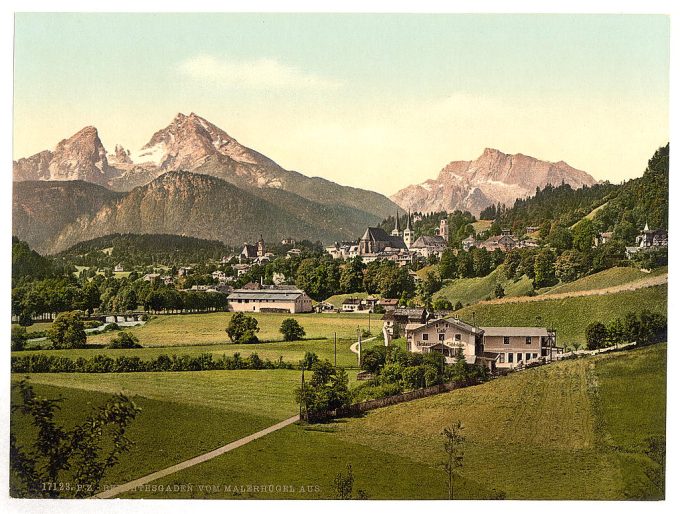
(425, 331)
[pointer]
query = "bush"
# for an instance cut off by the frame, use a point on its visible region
(242, 329)
(291, 330)
(19, 338)
(68, 331)
(125, 340)
(110, 327)
(92, 323)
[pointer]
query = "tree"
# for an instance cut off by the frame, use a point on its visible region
(352, 276)
(453, 447)
(242, 329)
(583, 235)
(124, 340)
(447, 265)
(67, 331)
(442, 304)
(19, 338)
(458, 306)
(86, 452)
(344, 486)
(570, 265)
(499, 292)
(326, 391)
(544, 268)
(560, 238)
(596, 335)
(309, 360)
(291, 330)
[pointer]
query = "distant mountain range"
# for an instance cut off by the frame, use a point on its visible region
(495, 177)
(78, 191)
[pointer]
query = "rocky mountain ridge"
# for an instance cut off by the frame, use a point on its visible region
(494, 177)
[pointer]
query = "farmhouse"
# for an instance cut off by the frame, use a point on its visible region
(502, 347)
(519, 345)
(396, 320)
(648, 240)
(451, 337)
(269, 299)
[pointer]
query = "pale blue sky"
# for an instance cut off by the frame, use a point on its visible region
(375, 101)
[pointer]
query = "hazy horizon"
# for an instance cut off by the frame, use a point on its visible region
(371, 101)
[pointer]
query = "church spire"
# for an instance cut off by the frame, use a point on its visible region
(396, 223)
(408, 221)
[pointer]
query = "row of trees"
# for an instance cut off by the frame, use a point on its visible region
(643, 328)
(41, 363)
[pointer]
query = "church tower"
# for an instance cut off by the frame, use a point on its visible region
(444, 229)
(397, 230)
(260, 247)
(408, 231)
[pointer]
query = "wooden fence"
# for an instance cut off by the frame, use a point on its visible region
(358, 408)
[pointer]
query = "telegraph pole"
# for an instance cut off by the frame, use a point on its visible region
(335, 348)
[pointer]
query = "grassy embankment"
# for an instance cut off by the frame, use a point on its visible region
(569, 316)
(472, 290)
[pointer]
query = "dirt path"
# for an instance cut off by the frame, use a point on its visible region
(115, 491)
(355, 347)
(630, 286)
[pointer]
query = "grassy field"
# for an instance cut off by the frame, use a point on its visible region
(472, 290)
(608, 278)
(569, 316)
(289, 351)
(481, 225)
(577, 422)
(206, 329)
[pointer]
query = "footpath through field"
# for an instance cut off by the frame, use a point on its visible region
(630, 286)
(355, 347)
(114, 491)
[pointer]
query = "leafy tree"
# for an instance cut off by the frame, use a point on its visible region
(583, 235)
(570, 265)
(124, 340)
(544, 268)
(596, 335)
(67, 331)
(82, 454)
(458, 306)
(309, 360)
(447, 265)
(373, 359)
(430, 284)
(560, 238)
(453, 447)
(291, 330)
(499, 292)
(19, 338)
(326, 391)
(352, 276)
(242, 329)
(442, 304)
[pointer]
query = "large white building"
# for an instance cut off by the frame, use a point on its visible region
(269, 299)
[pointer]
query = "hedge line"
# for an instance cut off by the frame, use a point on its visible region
(37, 363)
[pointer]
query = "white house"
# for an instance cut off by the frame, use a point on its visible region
(269, 299)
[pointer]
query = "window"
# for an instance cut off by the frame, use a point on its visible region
(529, 340)
(501, 358)
(506, 339)
(535, 356)
(456, 337)
(441, 337)
(510, 356)
(528, 356)
(425, 337)
(519, 357)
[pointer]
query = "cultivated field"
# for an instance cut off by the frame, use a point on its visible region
(206, 329)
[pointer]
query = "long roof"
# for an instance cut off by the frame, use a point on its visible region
(515, 331)
(425, 241)
(265, 294)
(378, 234)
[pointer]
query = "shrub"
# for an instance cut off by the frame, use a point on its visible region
(19, 338)
(291, 330)
(68, 331)
(124, 340)
(242, 329)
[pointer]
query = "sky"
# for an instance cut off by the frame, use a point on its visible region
(377, 101)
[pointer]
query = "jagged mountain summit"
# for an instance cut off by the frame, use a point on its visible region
(492, 178)
(188, 143)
